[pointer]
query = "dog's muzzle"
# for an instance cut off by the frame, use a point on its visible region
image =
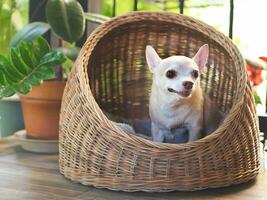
(184, 93)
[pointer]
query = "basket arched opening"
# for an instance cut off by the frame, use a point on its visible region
(119, 76)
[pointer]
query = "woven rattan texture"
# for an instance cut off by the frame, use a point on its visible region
(111, 74)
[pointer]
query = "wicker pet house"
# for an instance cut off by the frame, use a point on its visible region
(111, 74)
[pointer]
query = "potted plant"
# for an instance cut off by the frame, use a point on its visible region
(41, 105)
(23, 71)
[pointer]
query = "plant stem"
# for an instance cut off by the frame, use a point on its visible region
(59, 69)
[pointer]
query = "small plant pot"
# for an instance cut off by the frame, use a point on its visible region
(11, 119)
(41, 109)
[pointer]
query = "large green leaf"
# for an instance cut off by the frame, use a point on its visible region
(29, 32)
(34, 80)
(27, 55)
(9, 68)
(6, 91)
(4, 74)
(52, 58)
(45, 73)
(3, 80)
(66, 17)
(18, 62)
(27, 65)
(40, 46)
(23, 88)
(43, 46)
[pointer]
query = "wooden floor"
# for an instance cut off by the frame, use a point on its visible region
(31, 176)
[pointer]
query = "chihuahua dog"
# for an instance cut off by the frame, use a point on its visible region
(177, 99)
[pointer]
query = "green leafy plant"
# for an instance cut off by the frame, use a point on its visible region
(66, 19)
(27, 65)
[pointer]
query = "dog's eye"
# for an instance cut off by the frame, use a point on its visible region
(171, 74)
(195, 73)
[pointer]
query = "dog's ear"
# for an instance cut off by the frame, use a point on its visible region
(152, 58)
(201, 57)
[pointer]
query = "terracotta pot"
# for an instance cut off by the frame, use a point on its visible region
(41, 109)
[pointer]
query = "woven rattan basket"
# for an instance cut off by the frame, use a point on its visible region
(111, 74)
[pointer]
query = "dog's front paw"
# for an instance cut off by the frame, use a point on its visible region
(157, 134)
(158, 138)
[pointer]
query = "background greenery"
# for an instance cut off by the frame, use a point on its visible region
(248, 19)
(13, 16)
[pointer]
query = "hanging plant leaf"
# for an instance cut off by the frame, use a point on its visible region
(66, 18)
(29, 32)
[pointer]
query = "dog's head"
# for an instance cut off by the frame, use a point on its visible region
(177, 75)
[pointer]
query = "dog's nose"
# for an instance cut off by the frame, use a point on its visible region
(188, 85)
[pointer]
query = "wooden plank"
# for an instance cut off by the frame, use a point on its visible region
(30, 159)
(37, 176)
(253, 190)
(14, 194)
